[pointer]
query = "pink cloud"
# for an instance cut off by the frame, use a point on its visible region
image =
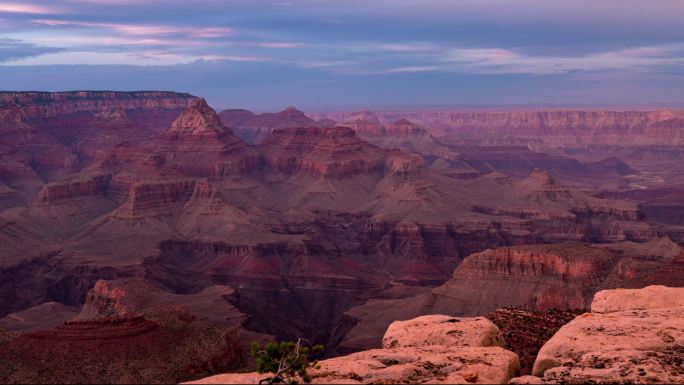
(25, 8)
(144, 30)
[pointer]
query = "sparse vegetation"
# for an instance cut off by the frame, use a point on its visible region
(287, 361)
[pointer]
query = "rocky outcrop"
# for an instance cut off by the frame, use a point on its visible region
(197, 144)
(174, 198)
(56, 134)
(255, 128)
(328, 152)
(651, 297)
(631, 336)
(442, 330)
(449, 350)
(156, 198)
(198, 120)
(88, 186)
(118, 298)
(200, 145)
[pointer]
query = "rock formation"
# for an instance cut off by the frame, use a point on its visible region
(329, 152)
(429, 349)
(630, 336)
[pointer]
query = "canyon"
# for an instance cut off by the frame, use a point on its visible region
(150, 217)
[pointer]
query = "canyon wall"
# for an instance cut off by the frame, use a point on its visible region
(559, 127)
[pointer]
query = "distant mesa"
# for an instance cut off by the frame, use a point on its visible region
(254, 128)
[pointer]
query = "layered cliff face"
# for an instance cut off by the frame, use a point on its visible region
(197, 144)
(562, 276)
(149, 109)
(556, 128)
(329, 152)
(88, 186)
(254, 128)
(51, 135)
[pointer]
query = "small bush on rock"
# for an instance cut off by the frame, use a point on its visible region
(287, 361)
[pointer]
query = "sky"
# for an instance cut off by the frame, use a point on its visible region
(349, 54)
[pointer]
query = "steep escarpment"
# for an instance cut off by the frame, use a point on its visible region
(149, 109)
(554, 127)
(52, 135)
(562, 276)
(197, 144)
(73, 189)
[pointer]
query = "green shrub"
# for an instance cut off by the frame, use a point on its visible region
(287, 361)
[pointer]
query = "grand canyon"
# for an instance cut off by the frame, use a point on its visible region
(356, 192)
(147, 230)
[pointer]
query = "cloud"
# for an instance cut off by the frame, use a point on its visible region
(26, 8)
(413, 69)
(139, 58)
(144, 29)
(11, 49)
(504, 61)
(279, 45)
(409, 47)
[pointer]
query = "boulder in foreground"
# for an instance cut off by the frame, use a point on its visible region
(631, 336)
(442, 330)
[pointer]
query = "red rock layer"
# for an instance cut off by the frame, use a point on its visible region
(561, 127)
(86, 187)
(156, 198)
(540, 277)
(154, 104)
(329, 152)
(199, 144)
(124, 349)
(103, 328)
